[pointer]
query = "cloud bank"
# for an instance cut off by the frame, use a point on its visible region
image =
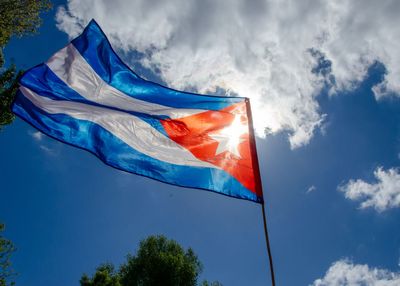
(345, 273)
(381, 195)
(278, 53)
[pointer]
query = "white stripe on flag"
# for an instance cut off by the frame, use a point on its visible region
(132, 130)
(69, 65)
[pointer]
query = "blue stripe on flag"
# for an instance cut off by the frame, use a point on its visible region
(114, 152)
(42, 80)
(94, 46)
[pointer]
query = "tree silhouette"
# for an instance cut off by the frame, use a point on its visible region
(159, 261)
(6, 250)
(17, 18)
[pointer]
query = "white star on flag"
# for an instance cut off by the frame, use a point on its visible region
(229, 138)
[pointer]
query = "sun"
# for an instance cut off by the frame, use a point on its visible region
(230, 137)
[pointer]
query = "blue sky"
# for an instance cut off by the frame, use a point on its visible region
(67, 212)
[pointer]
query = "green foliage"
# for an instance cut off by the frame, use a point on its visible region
(8, 89)
(206, 283)
(6, 250)
(105, 276)
(159, 261)
(20, 17)
(17, 18)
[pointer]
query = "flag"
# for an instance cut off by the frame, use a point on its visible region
(86, 96)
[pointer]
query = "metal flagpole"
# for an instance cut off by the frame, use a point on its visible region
(271, 265)
(259, 183)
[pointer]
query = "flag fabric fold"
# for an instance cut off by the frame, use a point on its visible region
(86, 96)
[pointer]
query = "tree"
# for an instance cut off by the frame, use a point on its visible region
(20, 17)
(105, 276)
(17, 18)
(8, 90)
(6, 250)
(159, 261)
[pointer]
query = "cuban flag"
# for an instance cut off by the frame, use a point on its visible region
(86, 96)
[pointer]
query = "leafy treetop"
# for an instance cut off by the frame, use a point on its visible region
(20, 17)
(6, 250)
(159, 261)
(17, 18)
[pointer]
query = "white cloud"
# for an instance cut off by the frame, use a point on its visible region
(345, 273)
(37, 135)
(312, 188)
(381, 195)
(260, 49)
(48, 150)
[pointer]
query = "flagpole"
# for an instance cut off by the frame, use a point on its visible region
(271, 265)
(259, 186)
